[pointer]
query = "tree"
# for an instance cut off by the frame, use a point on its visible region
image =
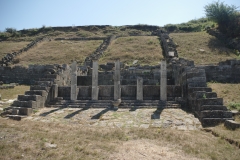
(222, 14)
(11, 30)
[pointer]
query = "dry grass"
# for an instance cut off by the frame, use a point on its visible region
(59, 52)
(10, 46)
(230, 134)
(26, 140)
(13, 93)
(146, 50)
(229, 92)
(191, 43)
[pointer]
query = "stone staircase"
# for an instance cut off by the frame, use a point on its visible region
(200, 99)
(208, 107)
(36, 98)
(60, 102)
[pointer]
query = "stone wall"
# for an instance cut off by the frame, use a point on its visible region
(225, 72)
(8, 59)
(29, 75)
(129, 74)
(168, 46)
(128, 92)
(99, 51)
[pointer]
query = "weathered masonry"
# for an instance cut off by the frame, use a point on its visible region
(175, 83)
(104, 88)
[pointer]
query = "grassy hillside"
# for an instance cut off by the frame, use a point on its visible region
(11, 46)
(201, 47)
(59, 52)
(197, 46)
(145, 49)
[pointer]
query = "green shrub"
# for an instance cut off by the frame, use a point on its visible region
(190, 27)
(171, 27)
(227, 17)
(234, 106)
(195, 25)
(11, 30)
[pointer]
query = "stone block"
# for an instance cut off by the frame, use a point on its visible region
(151, 92)
(64, 91)
(26, 104)
(15, 111)
(129, 91)
(197, 84)
(231, 124)
(23, 111)
(207, 101)
(106, 91)
(37, 92)
(191, 90)
(44, 83)
(195, 74)
(84, 92)
(206, 122)
(29, 97)
(213, 107)
(215, 114)
(84, 80)
(203, 94)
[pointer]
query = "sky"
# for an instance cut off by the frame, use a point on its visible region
(26, 14)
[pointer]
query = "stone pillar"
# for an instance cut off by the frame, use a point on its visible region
(95, 80)
(140, 88)
(55, 91)
(117, 85)
(163, 80)
(74, 81)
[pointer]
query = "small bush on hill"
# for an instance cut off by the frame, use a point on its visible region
(227, 17)
(195, 25)
(11, 30)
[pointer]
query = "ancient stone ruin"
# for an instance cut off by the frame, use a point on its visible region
(174, 83)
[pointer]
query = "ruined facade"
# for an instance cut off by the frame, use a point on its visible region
(175, 83)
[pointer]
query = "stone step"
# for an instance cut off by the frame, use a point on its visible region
(38, 87)
(207, 122)
(44, 83)
(213, 107)
(193, 89)
(202, 94)
(16, 117)
(25, 104)
(208, 101)
(147, 102)
(36, 92)
(215, 114)
(110, 105)
(21, 111)
(46, 79)
(29, 97)
(29, 104)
